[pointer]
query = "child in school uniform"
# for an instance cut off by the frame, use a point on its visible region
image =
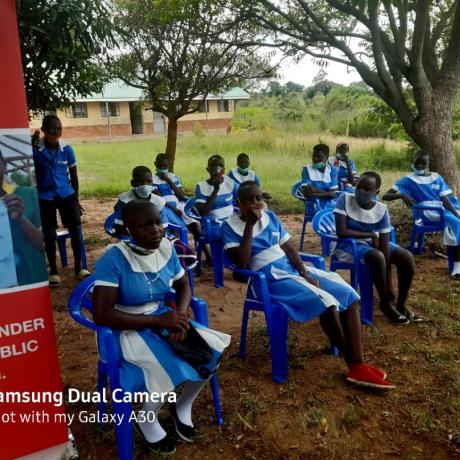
(429, 188)
(320, 179)
(256, 239)
(242, 173)
(215, 196)
(347, 172)
(361, 217)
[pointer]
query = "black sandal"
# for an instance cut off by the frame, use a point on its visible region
(394, 316)
(410, 315)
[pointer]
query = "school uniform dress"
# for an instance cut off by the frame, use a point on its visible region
(301, 300)
(374, 220)
(342, 171)
(167, 193)
(53, 185)
(240, 178)
(429, 190)
(148, 363)
(223, 204)
(327, 181)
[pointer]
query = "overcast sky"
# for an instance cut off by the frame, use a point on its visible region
(304, 72)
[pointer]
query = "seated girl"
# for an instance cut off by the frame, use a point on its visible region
(429, 188)
(216, 195)
(132, 280)
(320, 179)
(256, 239)
(242, 173)
(361, 217)
(347, 173)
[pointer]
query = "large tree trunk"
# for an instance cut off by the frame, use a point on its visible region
(171, 142)
(434, 134)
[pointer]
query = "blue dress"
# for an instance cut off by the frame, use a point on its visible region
(223, 204)
(327, 181)
(374, 220)
(147, 362)
(301, 300)
(429, 190)
(342, 170)
(239, 178)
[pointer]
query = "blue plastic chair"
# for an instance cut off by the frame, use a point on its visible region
(216, 245)
(61, 238)
(275, 315)
(296, 192)
(109, 359)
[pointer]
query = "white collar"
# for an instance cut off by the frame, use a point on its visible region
(366, 216)
(157, 180)
(423, 179)
(240, 178)
(225, 187)
(238, 225)
(316, 175)
(128, 196)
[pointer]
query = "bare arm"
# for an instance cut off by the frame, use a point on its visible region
(205, 208)
(296, 261)
(393, 194)
(177, 190)
(241, 255)
(74, 179)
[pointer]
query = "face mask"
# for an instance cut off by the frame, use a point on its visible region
(363, 198)
(243, 171)
(339, 156)
(418, 172)
(162, 171)
(143, 191)
(319, 165)
(219, 169)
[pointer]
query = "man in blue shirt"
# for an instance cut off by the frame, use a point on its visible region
(55, 164)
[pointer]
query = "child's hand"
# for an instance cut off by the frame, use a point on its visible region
(307, 191)
(254, 215)
(310, 280)
(376, 240)
(178, 212)
(408, 201)
(174, 321)
(177, 336)
(35, 139)
(15, 205)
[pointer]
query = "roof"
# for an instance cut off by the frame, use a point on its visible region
(119, 91)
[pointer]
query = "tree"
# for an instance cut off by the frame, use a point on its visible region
(60, 43)
(171, 51)
(403, 50)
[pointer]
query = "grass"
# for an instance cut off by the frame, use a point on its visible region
(105, 168)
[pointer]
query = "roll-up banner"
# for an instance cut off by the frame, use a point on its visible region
(32, 418)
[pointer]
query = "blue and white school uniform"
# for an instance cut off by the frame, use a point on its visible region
(168, 194)
(327, 180)
(374, 220)
(301, 300)
(342, 171)
(240, 178)
(223, 204)
(148, 363)
(158, 201)
(429, 190)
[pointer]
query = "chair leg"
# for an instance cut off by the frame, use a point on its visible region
(101, 385)
(413, 239)
(277, 324)
(216, 398)
(62, 251)
(421, 243)
(218, 263)
(302, 235)
(325, 247)
(191, 281)
(450, 258)
(244, 331)
(124, 431)
(366, 288)
(354, 277)
(199, 251)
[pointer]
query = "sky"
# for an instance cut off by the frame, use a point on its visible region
(304, 72)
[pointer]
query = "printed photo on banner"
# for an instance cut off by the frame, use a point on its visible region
(22, 260)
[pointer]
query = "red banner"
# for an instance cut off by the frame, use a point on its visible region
(31, 409)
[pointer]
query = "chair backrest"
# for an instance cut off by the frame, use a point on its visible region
(80, 299)
(109, 228)
(296, 191)
(324, 223)
(429, 216)
(190, 209)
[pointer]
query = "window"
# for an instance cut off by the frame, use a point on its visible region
(77, 110)
(109, 109)
(203, 106)
(222, 105)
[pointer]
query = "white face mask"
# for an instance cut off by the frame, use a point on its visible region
(418, 172)
(143, 191)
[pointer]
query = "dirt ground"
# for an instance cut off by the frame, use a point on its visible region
(316, 414)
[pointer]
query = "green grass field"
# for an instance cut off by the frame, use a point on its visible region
(105, 168)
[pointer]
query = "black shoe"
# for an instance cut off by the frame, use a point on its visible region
(165, 446)
(394, 316)
(410, 315)
(185, 432)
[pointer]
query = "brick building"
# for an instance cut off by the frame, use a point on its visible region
(120, 111)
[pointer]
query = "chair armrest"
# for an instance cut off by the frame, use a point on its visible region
(83, 320)
(317, 261)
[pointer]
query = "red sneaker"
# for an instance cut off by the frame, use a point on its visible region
(361, 374)
(381, 374)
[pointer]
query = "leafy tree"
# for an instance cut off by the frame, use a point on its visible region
(290, 108)
(179, 51)
(60, 44)
(402, 45)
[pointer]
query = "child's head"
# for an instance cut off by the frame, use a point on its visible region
(341, 149)
(162, 163)
(52, 127)
(367, 188)
(216, 166)
(249, 197)
(320, 155)
(141, 176)
(242, 161)
(421, 162)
